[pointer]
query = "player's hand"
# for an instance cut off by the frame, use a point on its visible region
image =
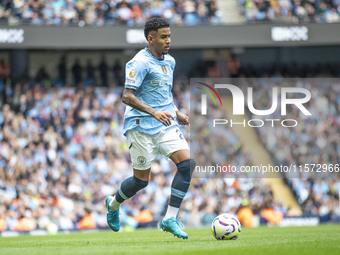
(182, 118)
(163, 117)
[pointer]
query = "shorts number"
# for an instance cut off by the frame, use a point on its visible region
(180, 134)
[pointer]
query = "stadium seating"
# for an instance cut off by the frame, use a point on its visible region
(108, 12)
(316, 191)
(62, 151)
(297, 11)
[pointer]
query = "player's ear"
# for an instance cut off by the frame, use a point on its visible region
(150, 38)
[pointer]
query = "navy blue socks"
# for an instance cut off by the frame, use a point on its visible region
(181, 182)
(129, 188)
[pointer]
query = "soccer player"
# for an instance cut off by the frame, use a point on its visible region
(151, 125)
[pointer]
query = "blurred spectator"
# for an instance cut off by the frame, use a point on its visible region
(118, 74)
(233, 66)
(4, 74)
(77, 71)
(213, 70)
(245, 216)
(87, 222)
(103, 71)
(144, 218)
(62, 70)
(42, 75)
(136, 13)
(90, 73)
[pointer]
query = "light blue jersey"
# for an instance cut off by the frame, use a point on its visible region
(152, 79)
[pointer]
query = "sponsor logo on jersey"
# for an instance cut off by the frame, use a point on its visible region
(164, 69)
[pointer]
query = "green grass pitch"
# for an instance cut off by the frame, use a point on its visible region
(319, 240)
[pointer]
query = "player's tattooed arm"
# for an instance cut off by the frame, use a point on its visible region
(130, 99)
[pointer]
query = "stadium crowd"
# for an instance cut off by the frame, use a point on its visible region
(319, 11)
(313, 144)
(108, 12)
(62, 151)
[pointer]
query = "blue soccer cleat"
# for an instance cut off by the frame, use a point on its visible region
(173, 226)
(112, 216)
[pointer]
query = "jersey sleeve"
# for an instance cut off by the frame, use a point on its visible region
(135, 71)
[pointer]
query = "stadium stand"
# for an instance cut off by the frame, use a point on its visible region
(297, 11)
(317, 191)
(61, 144)
(62, 151)
(108, 12)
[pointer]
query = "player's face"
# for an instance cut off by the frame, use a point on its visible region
(161, 40)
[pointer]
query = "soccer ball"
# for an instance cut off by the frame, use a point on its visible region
(226, 227)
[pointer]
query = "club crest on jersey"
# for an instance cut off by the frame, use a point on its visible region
(132, 73)
(164, 69)
(141, 160)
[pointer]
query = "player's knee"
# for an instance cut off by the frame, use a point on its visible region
(140, 184)
(192, 165)
(186, 168)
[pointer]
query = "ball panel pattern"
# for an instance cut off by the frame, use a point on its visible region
(226, 227)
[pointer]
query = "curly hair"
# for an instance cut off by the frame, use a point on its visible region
(154, 24)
